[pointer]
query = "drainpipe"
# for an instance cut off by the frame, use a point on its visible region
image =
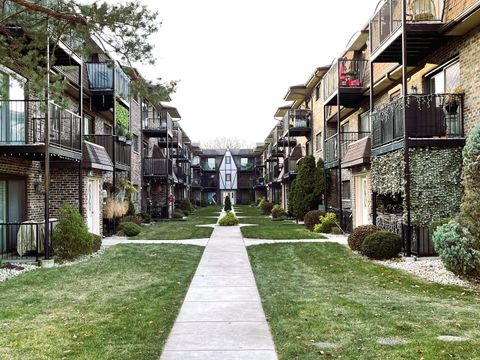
(47, 156)
(339, 149)
(80, 171)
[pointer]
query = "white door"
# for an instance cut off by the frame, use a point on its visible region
(364, 201)
(93, 206)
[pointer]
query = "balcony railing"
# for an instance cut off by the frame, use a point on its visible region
(427, 116)
(208, 182)
(290, 166)
(155, 167)
(296, 120)
(101, 78)
(345, 74)
(346, 138)
(388, 19)
(123, 151)
(23, 122)
(154, 120)
(179, 173)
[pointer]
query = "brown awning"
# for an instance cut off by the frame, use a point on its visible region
(357, 153)
(297, 153)
(96, 157)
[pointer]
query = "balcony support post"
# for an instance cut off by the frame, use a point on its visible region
(47, 156)
(80, 165)
(372, 108)
(114, 137)
(339, 151)
(408, 232)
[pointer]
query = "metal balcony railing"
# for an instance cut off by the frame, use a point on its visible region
(123, 150)
(296, 119)
(23, 122)
(345, 73)
(427, 116)
(346, 138)
(155, 120)
(101, 78)
(154, 167)
(388, 19)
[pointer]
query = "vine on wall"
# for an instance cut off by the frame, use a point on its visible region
(387, 174)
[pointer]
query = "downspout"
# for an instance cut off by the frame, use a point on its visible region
(47, 156)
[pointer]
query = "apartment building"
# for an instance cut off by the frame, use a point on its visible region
(391, 114)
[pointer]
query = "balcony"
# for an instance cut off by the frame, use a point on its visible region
(423, 21)
(435, 119)
(182, 155)
(272, 175)
(290, 168)
(297, 123)
(156, 123)
(287, 142)
(123, 150)
(209, 182)
(260, 183)
(179, 174)
(107, 78)
(156, 169)
(22, 130)
(346, 139)
(345, 83)
(206, 167)
(175, 141)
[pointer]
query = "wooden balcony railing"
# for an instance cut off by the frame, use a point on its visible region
(155, 167)
(23, 122)
(427, 116)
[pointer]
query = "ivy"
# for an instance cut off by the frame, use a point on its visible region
(387, 174)
(122, 116)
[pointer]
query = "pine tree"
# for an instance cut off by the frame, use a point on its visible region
(227, 204)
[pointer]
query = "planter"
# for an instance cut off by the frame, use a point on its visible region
(121, 138)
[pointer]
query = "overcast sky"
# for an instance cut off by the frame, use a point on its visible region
(236, 59)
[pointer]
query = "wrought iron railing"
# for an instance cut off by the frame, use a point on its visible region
(101, 78)
(24, 240)
(331, 149)
(296, 119)
(157, 167)
(156, 120)
(427, 116)
(23, 122)
(388, 19)
(345, 73)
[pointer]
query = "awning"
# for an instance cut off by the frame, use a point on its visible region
(96, 157)
(358, 153)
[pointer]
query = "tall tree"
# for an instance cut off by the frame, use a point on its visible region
(226, 142)
(122, 28)
(305, 191)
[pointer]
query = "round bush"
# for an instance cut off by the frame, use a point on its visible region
(228, 220)
(382, 245)
(327, 223)
(71, 237)
(178, 214)
(96, 242)
(278, 212)
(186, 206)
(458, 250)
(312, 218)
(358, 235)
(130, 229)
(145, 217)
(267, 207)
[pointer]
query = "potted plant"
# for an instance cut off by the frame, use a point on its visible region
(452, 100)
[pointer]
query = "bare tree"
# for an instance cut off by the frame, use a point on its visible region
(226, 142)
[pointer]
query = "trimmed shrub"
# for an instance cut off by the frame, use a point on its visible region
(227, 204)
(358, 235)
(326, 224)
(130, 228)
(312, 218)
(382, 245)
(132, 218)
(178, 214)
(262, 200)
(436, 224)
(278, 212)
(186, 206)
(267, 208)
(96, 242)
(228, 220)
(145, 217)
(457, 249)
(71, 237)
(203, 203)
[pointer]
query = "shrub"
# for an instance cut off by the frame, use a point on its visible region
(278, 212)
(336, 231)
(132, 218)
(267, 208)
(227, 204)
(203, 203)
(186, 206)
(358, 235)
(312, 218)
(457, 249)
(262, 200)
(96, 242)
(326, 224)
(436, 224)
(382, 245)
(145, 217)
(228, 220)
(131, 208)
(71, 237)
(130, 228)
(178, 214)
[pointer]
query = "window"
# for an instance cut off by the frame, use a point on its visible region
(135, 194)
(346, 190)
(107, 129)
(135, 142)
(88, 125)
(446, 80)
(364, 125)
(308, 147)
(317, 92)
(228, 177)
(145, 149)
(211, 164)
(228, 160)
(345, 129)
(244, 164)
(318, 141)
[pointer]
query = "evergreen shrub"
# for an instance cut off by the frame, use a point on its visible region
(382, 245)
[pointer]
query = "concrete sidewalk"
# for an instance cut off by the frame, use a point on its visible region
(222, 316)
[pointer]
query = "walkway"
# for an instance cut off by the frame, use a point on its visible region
(222, 316)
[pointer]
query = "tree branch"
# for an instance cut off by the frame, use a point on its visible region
(80, 20)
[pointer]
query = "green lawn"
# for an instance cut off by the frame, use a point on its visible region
(121, 305)
(268, 229)
(323, 300)
(178, 230)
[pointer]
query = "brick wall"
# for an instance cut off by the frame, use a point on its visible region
(136, 167)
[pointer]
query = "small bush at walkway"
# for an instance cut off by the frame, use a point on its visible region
(278, 212)
(358, 235)
(382, 245)
(267, 208)
(228, 220)
(96, 242)
(327, 224)
(312, 218)
(178, 214)
(130, 228)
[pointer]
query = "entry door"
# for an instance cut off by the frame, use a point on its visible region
(12, 210)
(361, 201)
(364, 201)
(93, 206)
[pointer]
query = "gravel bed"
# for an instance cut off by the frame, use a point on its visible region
(431, 269)
(9, 270)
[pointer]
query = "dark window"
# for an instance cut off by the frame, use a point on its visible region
(346, 190)
(364, 125)
(317, 92)
(318, 141)
(107, 129)
(88, 125)
(228, 160)
(446, 80)
(135, 142)
(145, 149)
